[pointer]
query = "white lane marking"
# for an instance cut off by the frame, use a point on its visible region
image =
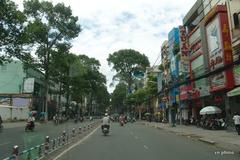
(76, 144)
(146, 147)
(136, 137)
(2, 144)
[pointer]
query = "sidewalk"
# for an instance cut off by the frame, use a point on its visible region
(229, 141)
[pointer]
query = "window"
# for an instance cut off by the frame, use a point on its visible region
(236, 19)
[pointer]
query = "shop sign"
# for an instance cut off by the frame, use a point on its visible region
(159, 81)
(237, 75)
(184, 58)
(184, 91)
(28, 85)
(215, 49)
(218, 81)
(219, 51)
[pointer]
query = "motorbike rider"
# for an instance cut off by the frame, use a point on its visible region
(106, 121)
(31, 120)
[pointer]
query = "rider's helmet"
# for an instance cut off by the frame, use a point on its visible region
(106, 114)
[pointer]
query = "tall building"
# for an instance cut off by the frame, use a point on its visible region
(233, 7)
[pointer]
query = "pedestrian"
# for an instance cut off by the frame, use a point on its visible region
(236, 119)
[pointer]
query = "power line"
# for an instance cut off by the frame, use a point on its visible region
(159, 55)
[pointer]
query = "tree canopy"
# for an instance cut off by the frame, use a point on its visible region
(12, 37)
(126, 62)
(49, 29)
(119, 97)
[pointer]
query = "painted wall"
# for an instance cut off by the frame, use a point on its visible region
(11, 77)
(10, 112)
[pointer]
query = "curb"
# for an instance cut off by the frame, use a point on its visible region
(207, 141)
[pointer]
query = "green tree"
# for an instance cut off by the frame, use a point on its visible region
(12, 37)
(126, 62)
(138, 97)
(63, 68)
(119, 97)
(50, 29)
(90, 83)
(102, 98)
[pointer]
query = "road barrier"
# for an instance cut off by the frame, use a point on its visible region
(49, 145)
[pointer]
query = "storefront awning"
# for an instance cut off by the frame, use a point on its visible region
(234, 92)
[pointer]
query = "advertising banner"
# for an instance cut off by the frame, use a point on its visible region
(219, 51)
(184, 56)
(28, 85)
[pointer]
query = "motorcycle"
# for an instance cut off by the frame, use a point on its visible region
(29, 126)
(105, 130)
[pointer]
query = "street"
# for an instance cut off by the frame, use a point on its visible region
(25, 140)
(136, 141)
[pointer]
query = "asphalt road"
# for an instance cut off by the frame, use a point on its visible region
(139, 142)
(25, 140)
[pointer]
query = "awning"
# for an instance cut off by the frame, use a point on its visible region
(234, 92)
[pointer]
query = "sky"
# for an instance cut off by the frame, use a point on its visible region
(111, 25)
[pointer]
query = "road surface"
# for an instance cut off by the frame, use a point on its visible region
(139, 142)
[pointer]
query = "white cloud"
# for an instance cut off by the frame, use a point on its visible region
(110, 25)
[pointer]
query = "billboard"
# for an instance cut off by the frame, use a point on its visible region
(28, 86)
(219, 50)
(184, 51)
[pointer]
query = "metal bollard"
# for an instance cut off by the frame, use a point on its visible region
(67, 138)
(73, 132)
(46, 145)
(39, 150)
(79, 130)
(15, 152)
(59, 141)
(54, 143)
(64, 137)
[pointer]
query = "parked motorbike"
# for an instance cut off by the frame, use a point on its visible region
(29, 126)
(105, 130)
(218, 124)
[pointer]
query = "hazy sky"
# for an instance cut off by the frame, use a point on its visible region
(110, 25)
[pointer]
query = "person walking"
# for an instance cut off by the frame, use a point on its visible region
(236, 119)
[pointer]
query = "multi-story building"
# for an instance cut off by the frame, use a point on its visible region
(20, 87)
(233, 8)
(210, 52)
(173, 52)
(165, 69)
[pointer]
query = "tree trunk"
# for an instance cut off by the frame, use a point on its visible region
(59, 97)
(46, 84)
(46, 95)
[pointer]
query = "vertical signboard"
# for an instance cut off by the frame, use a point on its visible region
(184, 52)
(159, 82)
(219, 51)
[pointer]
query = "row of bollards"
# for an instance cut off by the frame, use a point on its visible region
(46, 147)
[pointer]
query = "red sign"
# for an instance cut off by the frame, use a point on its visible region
(184, 62)
(219, 50)
(185, 91)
